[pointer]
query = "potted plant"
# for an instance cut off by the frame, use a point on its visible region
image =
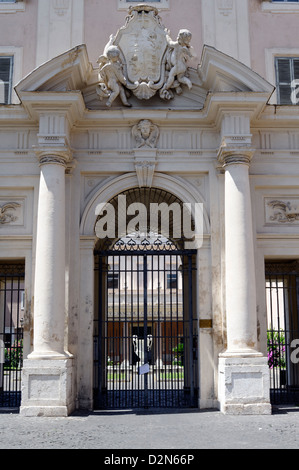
(178, 355)
(276, 348)
(14, 355)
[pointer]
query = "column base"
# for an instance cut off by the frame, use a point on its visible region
(244, 385)
(47, 388)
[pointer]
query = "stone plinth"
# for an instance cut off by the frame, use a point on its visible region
(244, 385)
(47, 388)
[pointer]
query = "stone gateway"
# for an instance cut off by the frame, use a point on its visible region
(148, 207)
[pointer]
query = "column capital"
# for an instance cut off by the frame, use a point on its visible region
(232, 154)
(54, 156)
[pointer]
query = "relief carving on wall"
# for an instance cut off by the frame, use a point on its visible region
(143, 59)
(6, 216)
(283, 211)
(146, 134)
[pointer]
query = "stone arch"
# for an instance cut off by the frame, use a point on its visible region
(173, 185)
(168, 226)
(105, 192)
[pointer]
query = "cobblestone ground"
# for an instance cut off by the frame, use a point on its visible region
(134, 430)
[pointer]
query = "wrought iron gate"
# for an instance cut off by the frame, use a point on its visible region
(11, 333)
(282, 289)
(145, 344)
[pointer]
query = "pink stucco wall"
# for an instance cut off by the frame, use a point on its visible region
(19, 30)
(270, 30)
(103, 18)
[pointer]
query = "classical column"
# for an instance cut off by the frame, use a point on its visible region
(239, 255)
(49, 291)
(47, 373)
(243, 371)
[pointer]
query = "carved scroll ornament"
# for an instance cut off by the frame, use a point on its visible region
(143, 59)
(283, 212)
(6, 216)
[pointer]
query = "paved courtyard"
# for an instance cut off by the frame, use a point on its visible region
(173, 430)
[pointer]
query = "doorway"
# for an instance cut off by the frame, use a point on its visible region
(146, 328)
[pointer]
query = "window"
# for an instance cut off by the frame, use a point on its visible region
(172, 281)
(287, 80)
(113, 281)
(11, 6)
(281, 6)
(6, 69)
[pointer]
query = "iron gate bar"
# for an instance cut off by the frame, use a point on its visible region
(282, 287)
(191, 346)
(145, 328)
(11, 334)
(164, 389)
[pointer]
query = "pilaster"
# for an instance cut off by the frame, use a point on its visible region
(86, 323)
(225, 25)
(60, 27)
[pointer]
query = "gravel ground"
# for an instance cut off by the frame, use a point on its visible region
(139, 430)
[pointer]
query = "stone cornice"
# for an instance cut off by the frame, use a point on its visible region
(70, 104)
(269, 117)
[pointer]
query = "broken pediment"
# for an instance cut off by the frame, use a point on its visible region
(150, 72)
(221, 73)
(69, 71)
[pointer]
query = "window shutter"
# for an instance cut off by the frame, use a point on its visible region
(6, 64)
(296, 69)
(284, 71)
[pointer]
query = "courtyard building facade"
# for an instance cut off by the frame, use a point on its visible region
(149, 250)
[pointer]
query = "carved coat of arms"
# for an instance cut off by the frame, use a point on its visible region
(142, 59)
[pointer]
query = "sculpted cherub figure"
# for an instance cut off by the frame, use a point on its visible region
(179, 52)
(111, 77)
